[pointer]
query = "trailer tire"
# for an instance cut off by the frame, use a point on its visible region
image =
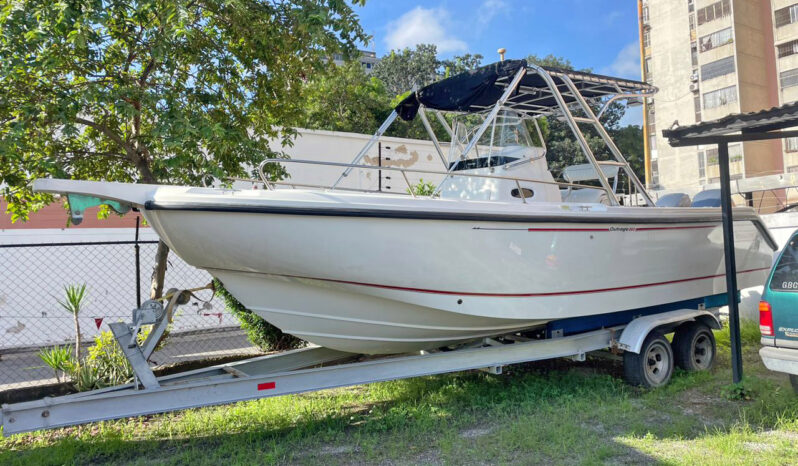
(794, 382)
(653, 366)
(694, 347)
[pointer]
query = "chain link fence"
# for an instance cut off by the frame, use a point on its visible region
(32, 281)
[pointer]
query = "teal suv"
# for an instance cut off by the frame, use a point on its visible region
(778, 314)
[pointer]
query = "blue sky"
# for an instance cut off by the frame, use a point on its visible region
(597, 34)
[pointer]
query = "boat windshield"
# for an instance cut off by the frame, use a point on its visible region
(506, 140)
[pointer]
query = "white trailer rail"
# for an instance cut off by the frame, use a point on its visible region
(309, 369)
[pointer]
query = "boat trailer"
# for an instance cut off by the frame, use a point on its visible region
(317, 368)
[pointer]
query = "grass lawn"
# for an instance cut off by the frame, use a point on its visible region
(550, 412)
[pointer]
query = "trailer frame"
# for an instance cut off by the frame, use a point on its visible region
(310, 369)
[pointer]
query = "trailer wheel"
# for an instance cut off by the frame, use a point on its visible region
(794, 382)
(653, 366)
(694, 347)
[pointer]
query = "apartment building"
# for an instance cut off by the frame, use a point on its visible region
(368, 60)
(709, 59)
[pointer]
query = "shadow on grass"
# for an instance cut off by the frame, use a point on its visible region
(549, 411)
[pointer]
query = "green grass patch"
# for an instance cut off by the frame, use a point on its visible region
(554, 411)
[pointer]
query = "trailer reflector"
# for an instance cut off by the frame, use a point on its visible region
(266, 386)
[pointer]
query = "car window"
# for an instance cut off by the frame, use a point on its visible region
(785, 276)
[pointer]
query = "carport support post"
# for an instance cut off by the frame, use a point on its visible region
(731, 264)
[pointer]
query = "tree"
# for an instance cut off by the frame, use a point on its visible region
(402, 70)
(629, 140)
(344, 98)
(154, 91)
(460, 64)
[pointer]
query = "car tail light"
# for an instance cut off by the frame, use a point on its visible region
(765, 319)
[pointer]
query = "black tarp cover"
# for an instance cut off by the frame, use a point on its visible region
(476, 90)
(462, 91)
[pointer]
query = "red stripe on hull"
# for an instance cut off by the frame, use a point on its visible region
(523, 295)
(613, 229)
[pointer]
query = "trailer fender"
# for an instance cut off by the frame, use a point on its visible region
(635, 333)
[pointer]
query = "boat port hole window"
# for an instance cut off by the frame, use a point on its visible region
(526, 192)
(506, 140)
(785, 275)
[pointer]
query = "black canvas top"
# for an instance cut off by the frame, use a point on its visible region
(479, 89)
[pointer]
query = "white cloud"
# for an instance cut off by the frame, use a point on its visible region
(489, 10)
(626, 63)
(424, 26)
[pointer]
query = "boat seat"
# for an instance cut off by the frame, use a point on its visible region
(674, 200)
(586, 172)
(708, 198)
(585, 196)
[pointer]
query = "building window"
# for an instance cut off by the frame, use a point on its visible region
(645, 15)
(789, 78)
(654, 172)
(793, 169)
(712, 157)
(716, 39)
(647, 69)
(697, 106)
(715, 11)
(717, 68)
(690, 6)
(788, 48)
(646, 38)
(787, 15)
(721, 97)
(791, 145)
(694, 54)
(735, 155)
(691, 19)
(652, 133)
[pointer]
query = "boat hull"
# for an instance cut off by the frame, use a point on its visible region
(373, 283)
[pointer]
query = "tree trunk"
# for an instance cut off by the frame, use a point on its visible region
(159, 270)
(77, 339)
(162, 254)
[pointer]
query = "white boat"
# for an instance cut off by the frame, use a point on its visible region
(500, 247)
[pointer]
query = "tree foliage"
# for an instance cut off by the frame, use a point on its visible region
(344, 98)
(154, 91)
(402, 70)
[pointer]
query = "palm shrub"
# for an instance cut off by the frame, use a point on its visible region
(75, 294)
(104, 365)
(58, 358)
